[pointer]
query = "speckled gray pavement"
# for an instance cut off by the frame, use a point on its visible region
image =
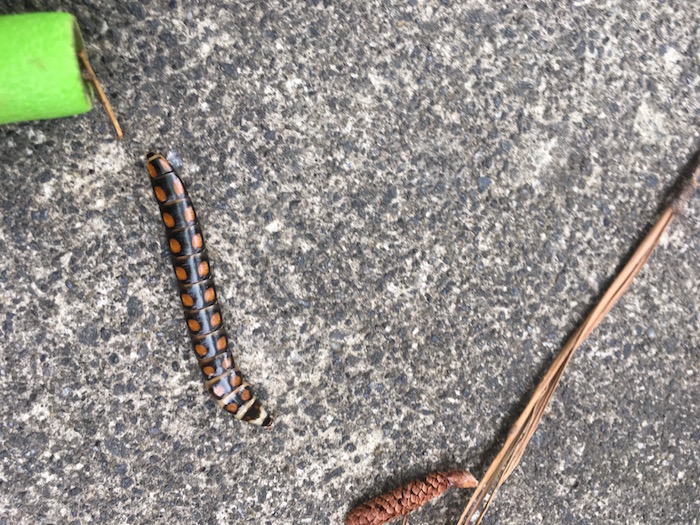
(409, 206)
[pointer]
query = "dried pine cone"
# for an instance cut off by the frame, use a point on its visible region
(408, 498)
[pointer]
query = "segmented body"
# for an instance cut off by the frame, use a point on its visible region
(198, 296)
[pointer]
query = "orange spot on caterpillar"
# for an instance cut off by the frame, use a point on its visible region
(189, 214)
(203, 268)
(181, 273)
(177, 186)
(209, 295)
(165, 165)
(232, 407)
(187, 300)
(197, 242)
(201, 350)
(168, 220)
(216, 319)
(160, 194)
(152, 171)
(208, 370)
(194, 325)
(235, 380)
(245, 395)
(219, 391)
(175, 246)
(221, 343)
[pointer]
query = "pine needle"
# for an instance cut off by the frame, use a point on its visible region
(91, 77)
(524, 428)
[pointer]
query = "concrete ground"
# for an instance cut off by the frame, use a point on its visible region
(409, 206)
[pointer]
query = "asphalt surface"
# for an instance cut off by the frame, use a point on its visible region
(408, 206)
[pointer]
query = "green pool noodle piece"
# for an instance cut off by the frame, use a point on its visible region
(40, 76)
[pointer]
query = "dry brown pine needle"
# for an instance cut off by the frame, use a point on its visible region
(408, 498)
(91, 77)
(524, 428)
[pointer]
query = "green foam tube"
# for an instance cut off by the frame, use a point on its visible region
(40, 76)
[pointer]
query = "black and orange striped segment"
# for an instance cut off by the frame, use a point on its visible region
(192, 269)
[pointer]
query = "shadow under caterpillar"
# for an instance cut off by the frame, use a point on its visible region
(198, 296)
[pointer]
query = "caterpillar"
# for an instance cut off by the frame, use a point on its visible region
(198, 296)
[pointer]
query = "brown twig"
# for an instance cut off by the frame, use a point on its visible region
(407, 498)
(522, 431)
(92, 78)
